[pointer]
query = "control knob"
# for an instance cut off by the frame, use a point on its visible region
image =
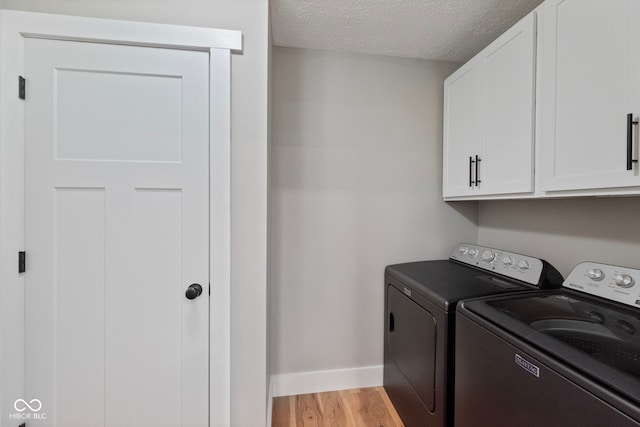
(463, 250)
(625, 281)
(473, 253)
(488, 255)
(595, 274)
(523, 265)
(507, 260)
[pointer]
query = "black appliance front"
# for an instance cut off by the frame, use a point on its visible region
(414, 357)
(411, 345)
(556, 359)
(420, 300)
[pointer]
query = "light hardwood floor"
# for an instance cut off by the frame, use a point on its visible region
(364, 407)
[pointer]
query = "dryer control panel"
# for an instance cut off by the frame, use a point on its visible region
(620, 284)
(517, 266)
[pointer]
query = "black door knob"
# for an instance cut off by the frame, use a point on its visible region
(193, 291)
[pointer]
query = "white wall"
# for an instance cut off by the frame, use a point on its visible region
(249, 169)
(565, 232)
(356, 185)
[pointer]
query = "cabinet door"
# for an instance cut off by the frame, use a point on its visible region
(588, 84)
(508, 111)
(462, 92)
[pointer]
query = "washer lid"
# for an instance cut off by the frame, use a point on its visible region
(598, 338)
(609, 334)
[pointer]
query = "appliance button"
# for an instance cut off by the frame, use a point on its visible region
(507, 260)
(625, 281)
(523, 264)
(595, 274)
(488, 255)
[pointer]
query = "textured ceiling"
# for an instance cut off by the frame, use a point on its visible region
(446, 30)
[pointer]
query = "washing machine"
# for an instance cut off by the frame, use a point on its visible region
(569, 357)
(419, 336)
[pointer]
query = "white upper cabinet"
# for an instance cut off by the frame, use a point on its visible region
(462, 129)
(509, 111)
(489, 118)
(590, 75)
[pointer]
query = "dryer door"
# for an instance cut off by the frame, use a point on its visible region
(411, 340)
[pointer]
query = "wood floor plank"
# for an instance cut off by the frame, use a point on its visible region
(366, 407)
(333, 411)
(372, 410)
(308, 412)
(389, 404)
(281, 412)
(348, 402)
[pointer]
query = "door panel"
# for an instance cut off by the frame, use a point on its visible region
(633, 89)
(86, 134)
(596, 114)
(412, 344)
(157, 224)
(508, 111)
(586, 84)
(117, 211)
(78, 314)
(461, 128)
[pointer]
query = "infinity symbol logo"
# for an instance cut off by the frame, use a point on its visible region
(21, 405)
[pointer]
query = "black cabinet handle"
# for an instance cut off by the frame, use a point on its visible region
(471, 181)
(630, 124)
(392, 322)
(478, 160)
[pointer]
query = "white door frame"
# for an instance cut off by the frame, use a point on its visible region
(14, 28)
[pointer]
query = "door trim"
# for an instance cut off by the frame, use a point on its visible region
(14, 28)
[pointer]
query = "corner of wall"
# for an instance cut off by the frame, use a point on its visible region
(270, 402)
(268, 323)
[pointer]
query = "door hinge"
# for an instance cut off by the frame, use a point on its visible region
(22, 262)
(22, 87)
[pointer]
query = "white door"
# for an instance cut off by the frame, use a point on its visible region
(508, 111)
(590, 72)
(462, 130)
(116, 229)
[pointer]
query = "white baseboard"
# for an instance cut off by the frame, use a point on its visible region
(321, 381)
